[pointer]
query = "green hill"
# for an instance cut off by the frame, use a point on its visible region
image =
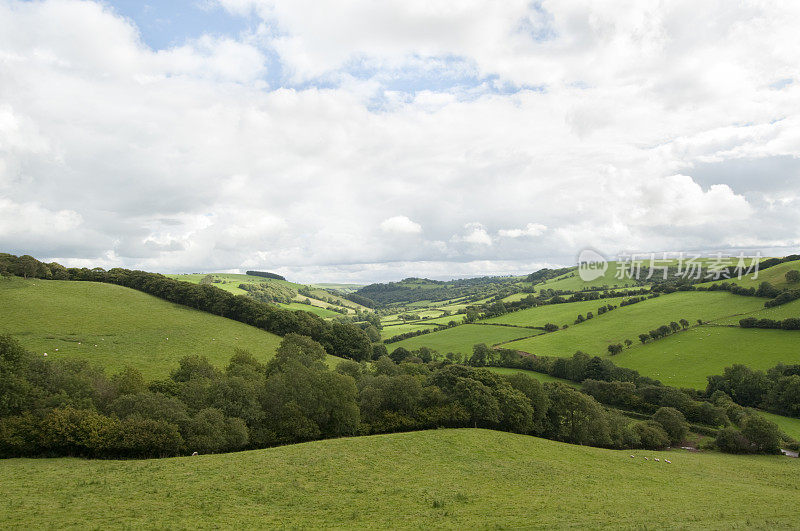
(559, 314)
(443, 478)
(117, 326)
(775, 275)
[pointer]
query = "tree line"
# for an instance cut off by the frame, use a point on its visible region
(790, 323)
(265, 274)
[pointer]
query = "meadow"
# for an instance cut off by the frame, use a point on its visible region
(572, 281)
(685, 359)
(462, 338)
(778, 313)
(116, 326)
(594, 336)
(463, 478)
(559, 314)
(775, 275)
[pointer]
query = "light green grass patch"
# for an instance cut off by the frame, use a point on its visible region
(128, 327)
(559, 314)
(462, 338)
(463, 479)
(685, 359)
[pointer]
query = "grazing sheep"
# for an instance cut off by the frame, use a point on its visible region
(633, 456)
(667, 461)
(45, 353)
(656, 459)
(56, 350)
(194, 454)
(646, 459)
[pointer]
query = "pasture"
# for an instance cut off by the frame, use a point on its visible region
(464, 478)
(462, 338)
(559, 314)
(116, 326)
(594, 336)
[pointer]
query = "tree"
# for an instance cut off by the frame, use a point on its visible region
(550, 327)
(673, 422)
(614, 349)
(674, 326)
(793, 276)
(684, 323)
(644, 338)
(745, 386)
(763, 434)
(628, 342)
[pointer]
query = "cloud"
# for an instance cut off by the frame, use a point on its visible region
(530, 230)
(630, 125)
(400, 225)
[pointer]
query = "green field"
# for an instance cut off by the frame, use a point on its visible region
(559, 314)
(116, 326)
(544, 378)
(628, 322)
(394, 330)
(230, 281)
(686, 358)
(789, 425)
(790, 309)
(573, 282)
(462, 338)
(316, 310)
(775, 275)
(442, 478)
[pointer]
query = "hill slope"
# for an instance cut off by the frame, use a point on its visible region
(128, 327)
(454, 478)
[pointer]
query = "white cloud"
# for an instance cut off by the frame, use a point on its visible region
(530, 230)
(400, 225)
(289, 146)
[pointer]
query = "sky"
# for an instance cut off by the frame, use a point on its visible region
(366, 140)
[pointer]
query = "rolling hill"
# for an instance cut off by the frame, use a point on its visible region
(463, 478)
(462, 338)
(117, 326)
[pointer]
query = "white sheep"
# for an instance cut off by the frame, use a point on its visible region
(646, 459)
(667, 461)
(45, 353)
(56, 350)
(194, 454)
(633, 456)
(656, 459)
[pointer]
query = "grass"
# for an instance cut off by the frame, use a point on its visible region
(322, 312)
(685, 359)
(775, 275)
(441, 478)
(116, 326)
(559, 314)
(462, 338)
(395, 330)
(789, 425)
(573, 282)
(544, 378)
(778, 313)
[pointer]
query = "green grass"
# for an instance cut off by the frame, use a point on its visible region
(128, 327)
(572, 281)
(442, 478)
(396, 330)
(559, 314)
(544, 378)
(230, 281)
(594, 336)
(685, 359)
(790, 309)
(462, 338)
(775, 275)
(789, 425)
(322, 312)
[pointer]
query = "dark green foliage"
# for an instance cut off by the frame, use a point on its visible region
(265, 274)
(673, 422)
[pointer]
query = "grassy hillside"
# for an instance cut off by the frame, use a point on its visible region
(322, 312)
(442, 478)
(559, 314)
(686, 358)
(117, 326)
(778, 313)
(775, 275)
(628, 322)
(462, 338)
(573, 282)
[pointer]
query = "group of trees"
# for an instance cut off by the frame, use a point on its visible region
(664, 330)
(721, 406)
(776, 390)
(68, 407)
(267, 292)
(340, 339)
(790, 323)
(265, 274)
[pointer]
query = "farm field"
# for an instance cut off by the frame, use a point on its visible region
(542, 377)
(462, 338)
(394, 330)
(128, 327)
(593, 337)
(435, 478)
(559, 314)
(775, 275)
(230, 281)
(322, 312)
(789, 425)
(790, 309)
(573, 282)
(685, 359)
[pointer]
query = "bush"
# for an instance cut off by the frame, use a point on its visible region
(732, 441)
(673, 422)
(651, 435)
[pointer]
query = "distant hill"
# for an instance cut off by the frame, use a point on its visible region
(413, 290)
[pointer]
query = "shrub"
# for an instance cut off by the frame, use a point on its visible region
(673, 422)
